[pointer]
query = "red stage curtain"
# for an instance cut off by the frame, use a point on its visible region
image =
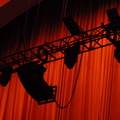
(96, 96)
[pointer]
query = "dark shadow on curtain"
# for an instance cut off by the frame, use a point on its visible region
(85, 7)
(42, 17)
(45, 15)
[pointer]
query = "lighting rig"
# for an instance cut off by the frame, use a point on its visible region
(31, 73)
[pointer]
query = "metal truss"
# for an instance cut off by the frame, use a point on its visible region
(52, 51)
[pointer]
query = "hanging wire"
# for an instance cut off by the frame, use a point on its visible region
(74, 88)
(22, 39)
(60, 93)
(36, 23)
(111, 85)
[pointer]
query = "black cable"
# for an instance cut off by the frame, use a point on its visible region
(74, 88)
(22, 35)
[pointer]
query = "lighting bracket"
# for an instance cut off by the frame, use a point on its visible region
(49, 100)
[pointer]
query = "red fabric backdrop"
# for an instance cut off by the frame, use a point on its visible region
(96, 96)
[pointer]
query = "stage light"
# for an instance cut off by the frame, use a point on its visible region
(114, 18)
(112, 14)
(71, 26)
(31, 76)
(71, 55)
(117, 51)
(5, 75)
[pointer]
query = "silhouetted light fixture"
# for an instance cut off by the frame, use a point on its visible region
(117, 51)
(71, 26)
(71, 55)
(114, 18)
(31, 76)
(5, 75)
(114, 26)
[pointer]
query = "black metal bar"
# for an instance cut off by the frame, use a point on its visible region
(85, 39)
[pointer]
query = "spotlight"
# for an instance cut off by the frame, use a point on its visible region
(71, 26)
(117, 51)
(31, 76)
(71, 55)
(5, 75)
(114, 18)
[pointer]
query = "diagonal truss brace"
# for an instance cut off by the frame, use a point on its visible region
(88, 40)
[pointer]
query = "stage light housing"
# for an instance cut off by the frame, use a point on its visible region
(117, 51)
(71, 26)
(5, 76)
(114, 18)
(31, 77)
(71, 55)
